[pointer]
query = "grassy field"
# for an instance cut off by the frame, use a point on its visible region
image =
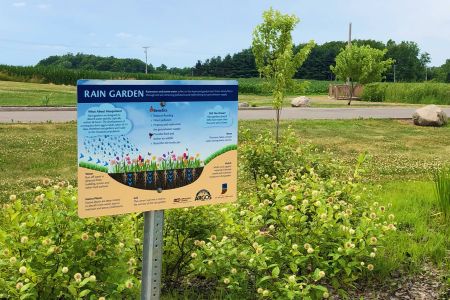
(34, 94)
(422, 235)
(398, 149)
(30, 153)
(399, 173)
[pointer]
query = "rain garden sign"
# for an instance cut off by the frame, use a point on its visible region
(154, 145)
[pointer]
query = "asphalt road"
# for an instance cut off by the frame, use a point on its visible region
(38, 115)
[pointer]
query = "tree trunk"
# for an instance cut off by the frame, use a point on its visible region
(351, 93)
(277, 125)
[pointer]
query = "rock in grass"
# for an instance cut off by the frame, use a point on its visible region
(301, 101)
(430, 115)
(243, 104)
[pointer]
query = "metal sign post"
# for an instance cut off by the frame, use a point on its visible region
(153, 248)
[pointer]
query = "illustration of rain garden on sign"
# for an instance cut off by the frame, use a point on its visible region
(153, 172)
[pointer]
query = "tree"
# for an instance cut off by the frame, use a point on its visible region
(362, 64)
(443, 72)
(410, 64)
(275, 61)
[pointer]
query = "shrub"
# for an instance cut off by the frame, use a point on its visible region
(261, 155)
(302, 235)
(374, 92)
(48, 252)
(42, 232)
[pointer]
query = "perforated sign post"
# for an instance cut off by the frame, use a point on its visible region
(146, 146)
(152, 262)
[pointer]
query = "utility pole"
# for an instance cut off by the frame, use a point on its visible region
(145, 50)
(349, 45)
(350, 34)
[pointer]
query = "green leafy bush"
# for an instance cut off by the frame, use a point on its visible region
(302, 235)
(261, 155)
(48, 252)
(306, 231)
(422, 93)
(45, 247)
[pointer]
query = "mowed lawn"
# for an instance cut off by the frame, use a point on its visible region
(398, 149)
(36, 94)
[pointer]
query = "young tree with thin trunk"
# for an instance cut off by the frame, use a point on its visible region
(362, 64)
(275, 60)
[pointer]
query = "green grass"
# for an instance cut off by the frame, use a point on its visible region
(419, 92)
(422, 235)
(30, 153)
(397, 149)
(33, 94)
(442, 189)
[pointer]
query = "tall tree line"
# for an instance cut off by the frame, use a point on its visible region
(410, 63)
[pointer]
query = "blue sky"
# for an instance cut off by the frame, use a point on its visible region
(180, 32)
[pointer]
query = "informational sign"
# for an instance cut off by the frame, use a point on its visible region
(153, 145)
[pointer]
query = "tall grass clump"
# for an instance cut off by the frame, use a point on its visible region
(416, 93)
(442, 188)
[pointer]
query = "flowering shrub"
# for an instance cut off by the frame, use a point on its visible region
(307, 231)
(48, 252)
(302, 235)
(262, 155)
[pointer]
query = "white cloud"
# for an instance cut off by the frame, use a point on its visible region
(43, 6)
(19, 4)
(124, 35)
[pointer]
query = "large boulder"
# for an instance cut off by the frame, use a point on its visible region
(301, 101)
(430, 115)
(243, 104)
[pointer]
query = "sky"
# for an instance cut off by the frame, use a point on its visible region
(181, 32)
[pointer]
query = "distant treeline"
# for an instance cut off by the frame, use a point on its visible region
(89, 62)
(410, 63)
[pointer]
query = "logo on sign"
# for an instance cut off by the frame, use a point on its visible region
(224, 188)
(203, 195)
